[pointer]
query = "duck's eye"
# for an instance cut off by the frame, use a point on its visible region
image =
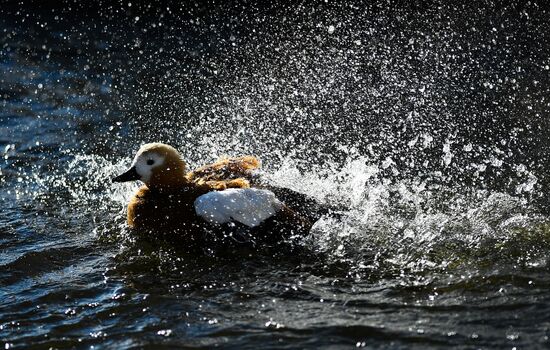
(150, 161)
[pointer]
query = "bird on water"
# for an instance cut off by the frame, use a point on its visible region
(193, 204)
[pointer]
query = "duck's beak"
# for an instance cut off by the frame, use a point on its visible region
(130, 175)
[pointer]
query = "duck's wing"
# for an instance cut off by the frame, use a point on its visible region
(239, 173)
(249, 206)
(252, 212)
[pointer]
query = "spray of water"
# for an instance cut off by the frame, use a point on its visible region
(423, 132)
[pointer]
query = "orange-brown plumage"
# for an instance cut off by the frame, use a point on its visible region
(224, 169)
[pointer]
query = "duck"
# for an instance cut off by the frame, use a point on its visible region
(222, 199)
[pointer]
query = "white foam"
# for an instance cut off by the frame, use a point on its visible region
(248, 206)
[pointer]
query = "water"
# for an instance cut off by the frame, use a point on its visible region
(426, 127)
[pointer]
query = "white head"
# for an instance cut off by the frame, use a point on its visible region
(145, 162)
(157, 165)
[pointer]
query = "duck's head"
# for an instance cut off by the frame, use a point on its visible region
(158, 165)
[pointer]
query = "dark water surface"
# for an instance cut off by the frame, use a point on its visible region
(427, 125)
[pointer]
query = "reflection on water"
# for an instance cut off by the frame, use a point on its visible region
(424, 128)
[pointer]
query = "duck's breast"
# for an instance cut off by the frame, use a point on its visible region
(157, 211)
(249, 206)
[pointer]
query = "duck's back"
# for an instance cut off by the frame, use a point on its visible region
(226, 173)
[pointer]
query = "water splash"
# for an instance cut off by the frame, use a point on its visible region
(421, 132)
(381, 225)
(414, 226)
